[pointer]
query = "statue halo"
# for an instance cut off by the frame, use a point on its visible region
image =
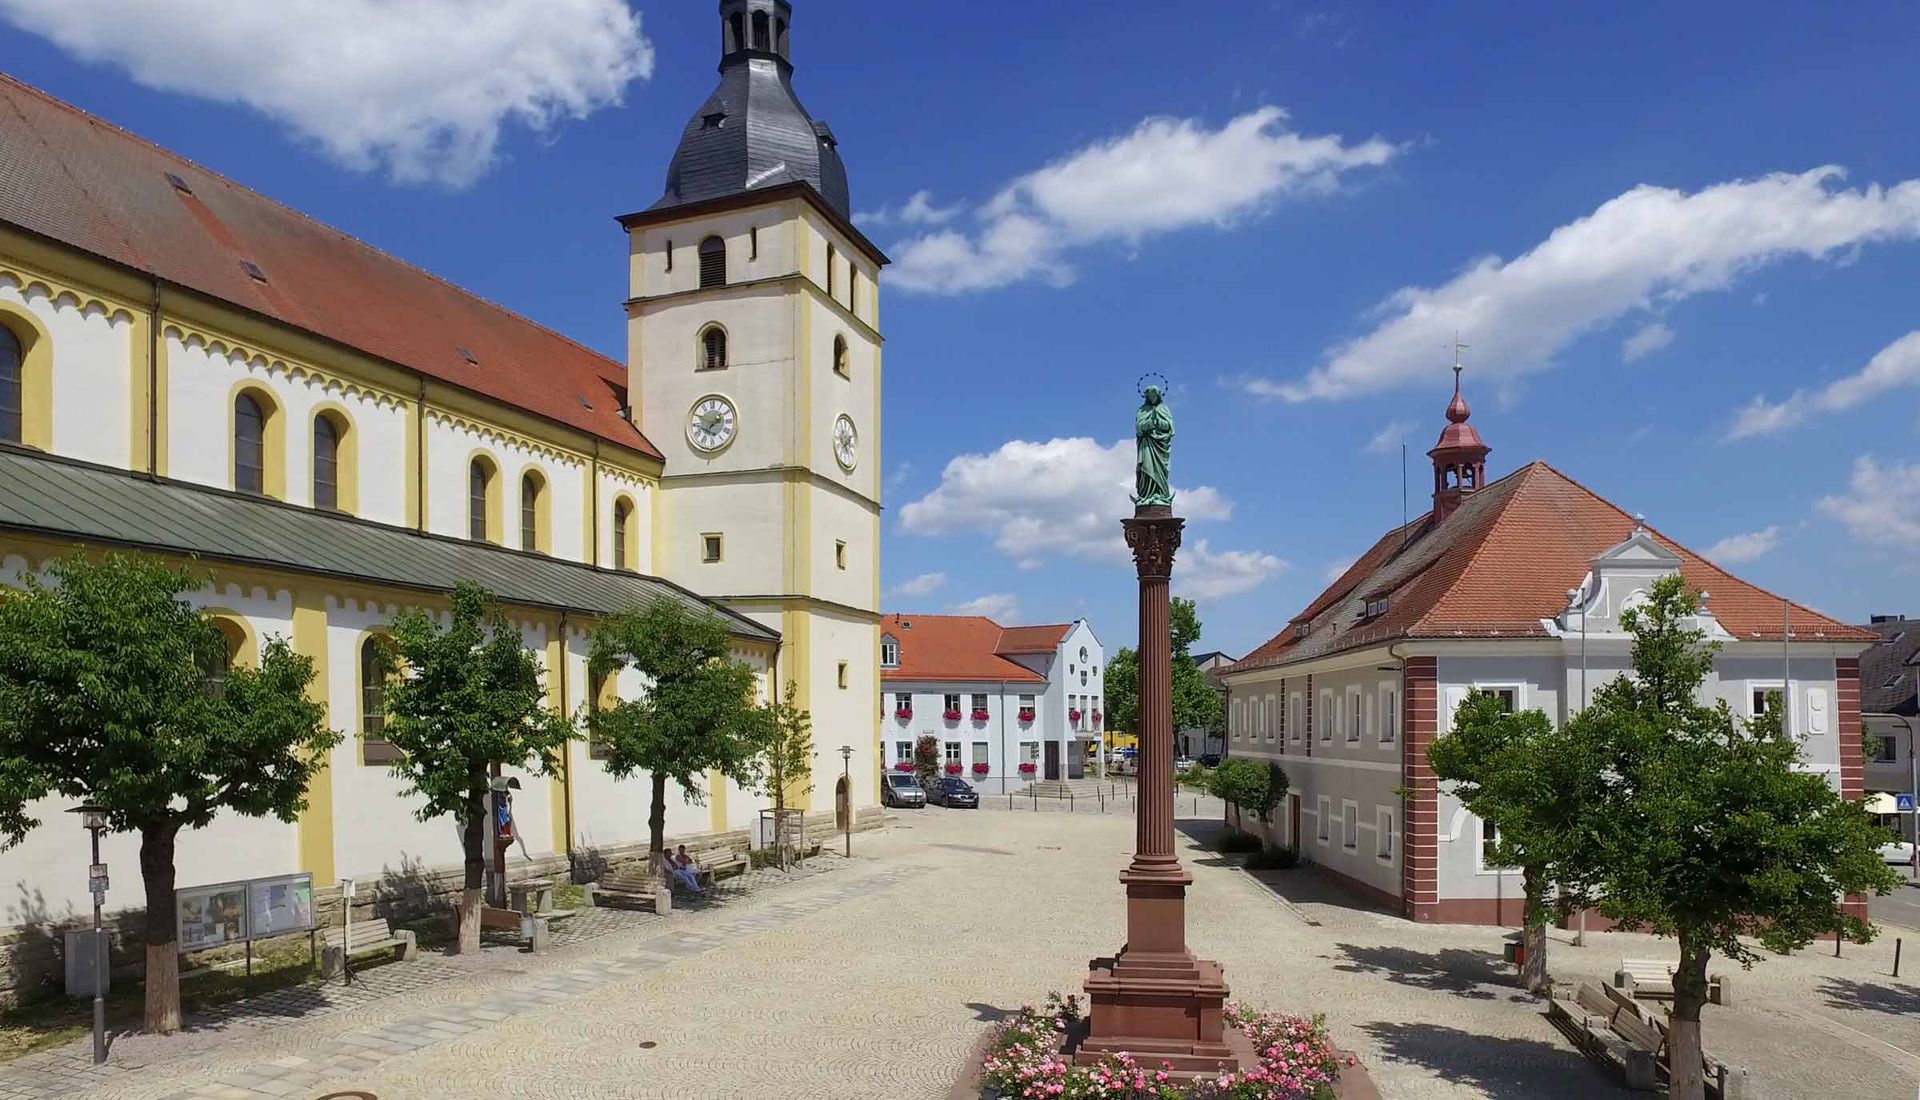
(1145, 383)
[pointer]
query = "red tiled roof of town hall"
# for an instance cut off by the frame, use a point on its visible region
(1498, 565)
(1032, 639)
(76, 179)
(958, 647)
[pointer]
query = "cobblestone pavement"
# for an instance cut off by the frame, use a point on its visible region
(878, 979)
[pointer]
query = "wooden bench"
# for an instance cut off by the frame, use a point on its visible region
(1653, 979)
(632, 884)
(1609, 1024)
(1724, 1082)
(368, 936)
(715, 863)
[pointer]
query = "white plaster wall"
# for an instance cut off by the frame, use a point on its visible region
(776, 253)
(667, 379)
(91, 364)
(451, 446)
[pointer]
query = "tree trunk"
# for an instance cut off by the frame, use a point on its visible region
(471, 897)
(163, 946)
(657, 829)
(1533, 969)
(1683, 1035)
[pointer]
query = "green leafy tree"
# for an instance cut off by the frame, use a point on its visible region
(1708, 833)
(698, 714)
(1248, 785)
(786, 758)
(114, 691)
(926, 759)
(1535, 786)
(1196, 703)
(464, 699)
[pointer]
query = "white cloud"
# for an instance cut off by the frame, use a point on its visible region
(1877, 507)
(922, 585)
(1388, 438)
(918, 210)
(1646, 340)
(420, 89)
(1001, 607)
(1200, 572)
(1894, 366)
(1645, 249)
(1167, 174)
(1735, 549)
(1336, 569)
(1061, 497)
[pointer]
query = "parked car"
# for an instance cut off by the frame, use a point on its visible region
(903, 790)
(1899, 852)
(1181, 763)
(955, 793)
(1209, 759)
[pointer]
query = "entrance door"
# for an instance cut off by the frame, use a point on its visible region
(842, 803)
(1053, 760)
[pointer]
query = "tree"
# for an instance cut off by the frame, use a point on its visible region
(1535, 786)
(1248, 785)
(926, 759)
(465, 700)
(1196, 702)
(786, 758)
(1707, 832)
(114, 691)
(698, 714)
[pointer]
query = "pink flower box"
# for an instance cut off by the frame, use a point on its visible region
(903, 766)
(1026, 715)
(904, 714)
(953, 769)
(1073, 716)
(1096, 717)
(1028, 769)
(980, 715)
(981, 768)
(951, 715)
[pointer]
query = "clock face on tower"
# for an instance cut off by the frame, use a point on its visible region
(846, 442)
(711, 423)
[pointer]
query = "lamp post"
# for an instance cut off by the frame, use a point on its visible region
(94, 820)
(846, 784)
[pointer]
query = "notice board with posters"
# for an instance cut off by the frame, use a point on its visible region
(237, 912)
(279, 906)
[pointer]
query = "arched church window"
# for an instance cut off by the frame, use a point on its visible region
(376, 668)
(530, 502)
(13, 387)
(249, 444)
(479, 493)
(738, 22)
(622, 520)
(713, 262)
(713, 345)
(840, 366)
(833, 262)
(326, 463)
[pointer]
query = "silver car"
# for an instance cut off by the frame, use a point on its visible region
(902, 789)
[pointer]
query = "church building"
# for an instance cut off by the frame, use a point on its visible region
(191, 370)
(1513, 586)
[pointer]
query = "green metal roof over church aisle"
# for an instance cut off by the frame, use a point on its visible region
(75, 502)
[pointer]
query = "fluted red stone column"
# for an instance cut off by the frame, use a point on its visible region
(1154, 999)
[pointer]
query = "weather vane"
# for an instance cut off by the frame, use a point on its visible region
(1458, 347)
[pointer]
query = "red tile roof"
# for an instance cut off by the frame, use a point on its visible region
(1033, 639)
(957, 647)
(79, 180)
(1497, 566)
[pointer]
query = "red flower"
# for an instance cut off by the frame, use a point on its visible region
(953, 769)
(904, 713)
(1073, 716)
(1027, 769)
(980, 767)
(979, 714)
(952, 715)
(1026, 714)
(903, 766)
(1096, 717)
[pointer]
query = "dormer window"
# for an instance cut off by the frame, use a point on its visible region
(1302, 629)
(1374, 608)
(713, 121)
(889, 653)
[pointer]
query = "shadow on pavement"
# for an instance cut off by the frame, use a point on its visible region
(1896, 1000)
(1497, 1067)
(1453, 970)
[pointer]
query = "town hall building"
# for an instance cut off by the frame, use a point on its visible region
(1513, 586)
(191, 370)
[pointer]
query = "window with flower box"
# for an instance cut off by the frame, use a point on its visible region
(950, 756)
(1026, 708)
(979, 708)
(950, 707)
(980, 762)
(903, 752)
(903, 705)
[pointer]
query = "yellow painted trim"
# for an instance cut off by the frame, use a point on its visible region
(542, 510)
(272, 362)
(557, 699)
(493, 433)
(414, 459)
(248, 654)
(716, 802)
(496, 524)
(359, 732)
(273, 478)
(162, 403)
(86, 290)
(347, 462)
(315, 827)
(139, 394)
(36, 375)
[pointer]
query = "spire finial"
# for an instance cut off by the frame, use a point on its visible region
(1457, 410)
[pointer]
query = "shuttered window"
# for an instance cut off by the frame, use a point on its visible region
(713, 262)
(714, 344)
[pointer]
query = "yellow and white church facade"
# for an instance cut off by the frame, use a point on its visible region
(190, 370)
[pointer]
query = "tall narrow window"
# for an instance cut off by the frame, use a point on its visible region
(853, 289)
(376, 663)
(249, 444)
(762, 37)
(530, 511)
(833, 263)
(840, 357)
(622, 519)
(753, 242)
(326, 463)
(13, 401)
(713, 262)
(713, 346)
(479, 488)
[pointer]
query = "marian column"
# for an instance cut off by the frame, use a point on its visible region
(1153, 999)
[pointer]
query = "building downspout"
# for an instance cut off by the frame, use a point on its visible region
(1003, 736)
(566, 769)
(153, 382)
(593, 552)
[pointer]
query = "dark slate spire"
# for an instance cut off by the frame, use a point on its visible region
(752, 131)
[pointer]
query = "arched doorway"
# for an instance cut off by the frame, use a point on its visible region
(842, 804)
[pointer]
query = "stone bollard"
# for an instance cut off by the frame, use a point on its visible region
(536, 930)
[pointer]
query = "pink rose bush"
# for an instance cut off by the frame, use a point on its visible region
(1297, 1061)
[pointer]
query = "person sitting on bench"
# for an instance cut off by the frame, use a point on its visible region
(684, 869)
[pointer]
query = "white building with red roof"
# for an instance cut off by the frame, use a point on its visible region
(1009, 705)
(1513, 586)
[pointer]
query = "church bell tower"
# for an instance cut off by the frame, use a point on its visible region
(753, 349)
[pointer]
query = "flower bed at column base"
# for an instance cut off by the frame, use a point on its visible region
(1283, 1058)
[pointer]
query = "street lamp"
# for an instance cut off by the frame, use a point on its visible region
(846, 784)
(94, 819)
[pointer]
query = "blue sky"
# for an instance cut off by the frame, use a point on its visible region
(1284, 208)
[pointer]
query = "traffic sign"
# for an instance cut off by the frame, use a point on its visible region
(1903, 803)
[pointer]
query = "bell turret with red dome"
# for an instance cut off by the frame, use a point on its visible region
(1459, 459)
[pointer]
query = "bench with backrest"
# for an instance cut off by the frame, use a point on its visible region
(1608, 1023)
(631, 884)
(1724, 1082)
(1653, 979)
(716, 860)
(369, 936)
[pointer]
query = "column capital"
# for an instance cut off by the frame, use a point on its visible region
(1153, 533)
